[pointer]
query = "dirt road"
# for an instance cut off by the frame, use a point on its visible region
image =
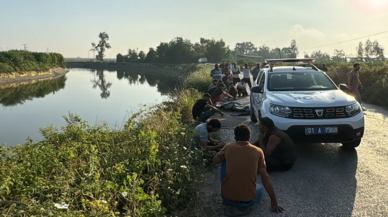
(325, 181)
(56, 73)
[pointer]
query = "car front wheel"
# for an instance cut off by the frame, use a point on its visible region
(353, 144)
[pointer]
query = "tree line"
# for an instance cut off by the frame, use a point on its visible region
(23, 61)
(180, 50)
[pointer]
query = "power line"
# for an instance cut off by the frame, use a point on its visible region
(345, 41)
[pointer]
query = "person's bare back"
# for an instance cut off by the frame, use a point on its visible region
(353, 80)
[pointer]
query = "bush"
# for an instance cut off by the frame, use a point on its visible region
(199, 79)
(374, 78)
(144, 169)
(25, 61)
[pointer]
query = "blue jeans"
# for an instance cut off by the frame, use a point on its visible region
(256, 200)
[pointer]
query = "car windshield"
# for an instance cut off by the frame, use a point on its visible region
(299, 81)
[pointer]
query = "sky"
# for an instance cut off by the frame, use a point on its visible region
(69, 27)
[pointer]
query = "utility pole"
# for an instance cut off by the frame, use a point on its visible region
(25, 46)
(47, 50)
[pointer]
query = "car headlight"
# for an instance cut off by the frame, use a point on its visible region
(353, 109)
(281, 111)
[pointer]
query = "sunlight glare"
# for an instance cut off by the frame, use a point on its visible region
(371, 5)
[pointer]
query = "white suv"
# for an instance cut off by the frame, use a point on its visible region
(306, 104)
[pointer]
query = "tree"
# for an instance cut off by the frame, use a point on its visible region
(294, 51)
(246, 48)
(132, 55)
(360, 51)
(119, 58)
(378, 51)
(217, 51)
(264, 51)
(320, 56)
(101, 46)
(151, 56)
(306, 55)
(142, 55)
(339, 56)
(368, 50)
(162, 52)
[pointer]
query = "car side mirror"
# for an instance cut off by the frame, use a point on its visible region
(256, 89)
(343, 87)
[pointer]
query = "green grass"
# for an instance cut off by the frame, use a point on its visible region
(199, 79)
(146, 168)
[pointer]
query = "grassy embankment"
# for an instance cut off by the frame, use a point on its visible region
(146, 168)
(19, 63)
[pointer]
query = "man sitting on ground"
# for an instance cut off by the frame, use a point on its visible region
(242, 88)
(240, 163)
(203, 109)
(232, 90)
(278, 147)
(203, 139)
(219, 93)
(212, 86)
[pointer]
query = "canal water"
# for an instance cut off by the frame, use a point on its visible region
(95, 95)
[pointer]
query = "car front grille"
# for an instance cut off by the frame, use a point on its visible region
(318, 113)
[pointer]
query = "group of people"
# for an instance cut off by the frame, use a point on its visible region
(227, 82)
(241, 161)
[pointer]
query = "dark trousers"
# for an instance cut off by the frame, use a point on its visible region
(206, 115)
(242, 91)
(248, 81)
(235, 80)
(274, 164)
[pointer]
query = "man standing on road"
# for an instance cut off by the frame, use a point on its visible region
(216, 73)
(236, 73)
(247, 74)
(256, 71)
(278, 147)
(354, 83)
(240, 163)
(203, 109)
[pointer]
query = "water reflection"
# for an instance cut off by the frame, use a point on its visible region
(18, 95)
(102, 84)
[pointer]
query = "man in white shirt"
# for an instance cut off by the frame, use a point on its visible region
(236, 73)
(247, 74)
(242, 88)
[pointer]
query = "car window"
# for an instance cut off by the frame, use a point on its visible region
(299, 81)
(262, 80)
(258, 76)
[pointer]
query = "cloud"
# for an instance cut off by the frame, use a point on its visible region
(298, 31)
(343, 36)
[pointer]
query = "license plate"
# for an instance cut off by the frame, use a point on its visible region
(321, 130)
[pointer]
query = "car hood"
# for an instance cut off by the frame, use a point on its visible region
(310, 98)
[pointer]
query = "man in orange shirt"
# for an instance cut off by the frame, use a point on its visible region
(240, 163)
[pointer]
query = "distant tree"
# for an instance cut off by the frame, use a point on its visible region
(247, 48)
(339, 56)
(119, 58)
(151, 56)
(216, 51)
(360, 51)
(162, 52)
(378, 51)
(294, 49)
(265, 52)
(180, 51)
(142, 55)
(306, 55)
(102, 84)
(368, 50)
(320, 56)
(132, 55)
(101, 46)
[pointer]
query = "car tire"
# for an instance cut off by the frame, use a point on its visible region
(351, 145)
(252, 114)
